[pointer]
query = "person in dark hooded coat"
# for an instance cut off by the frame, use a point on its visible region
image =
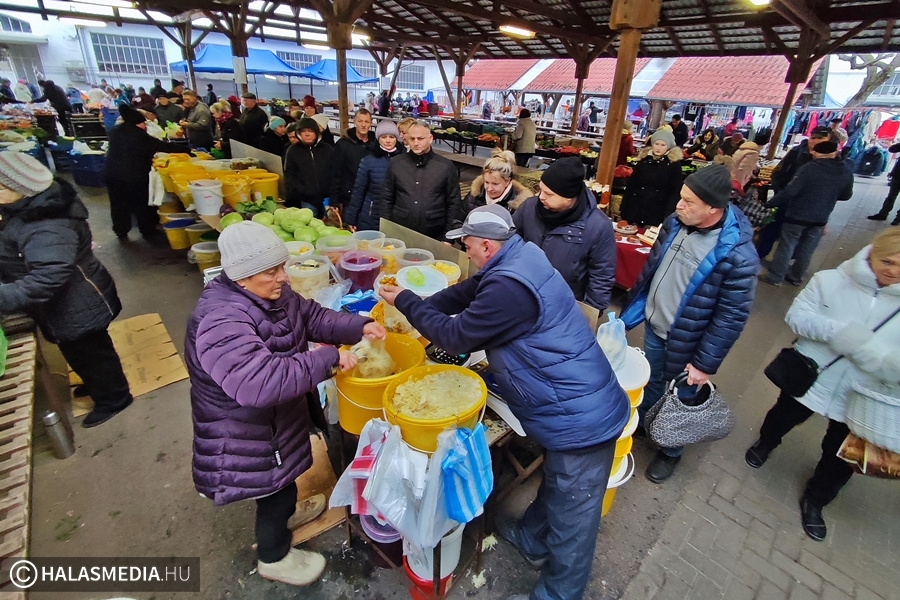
(48, 270)
(348, 151)
(652, 190)
(307, 165)
(364, 210)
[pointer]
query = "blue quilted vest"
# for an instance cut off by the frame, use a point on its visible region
(556, 378)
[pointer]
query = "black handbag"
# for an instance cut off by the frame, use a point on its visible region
(795, 373)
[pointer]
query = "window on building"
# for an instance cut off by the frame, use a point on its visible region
(129, 54)
(298, 60)
(366, 68)
(11, 24)
(411, 77)
(891, 87)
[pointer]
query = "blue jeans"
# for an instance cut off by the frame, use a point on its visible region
(563, 521)
(798, 241)
(655, 351)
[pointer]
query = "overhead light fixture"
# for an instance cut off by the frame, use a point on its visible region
(759, 2)
(516, 31)
(314, 36)
(316, 47)
(82, 22)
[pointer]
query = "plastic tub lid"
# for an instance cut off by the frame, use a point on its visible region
(332, 243)
(178, 224)
(435, 281)
(396, 245)
(293, 270)
(383, 534)
(205, 247)
(301, 248)
(361, 260)
(623, 473)
(413, 255)
(200, 227)
(368, 236)
(631, 426)
(636, 371)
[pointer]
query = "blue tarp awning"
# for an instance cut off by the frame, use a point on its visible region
(326, 70)
(214, 58)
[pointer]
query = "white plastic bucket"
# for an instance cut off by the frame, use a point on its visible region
(451, 545)
(635, 374)
(207, 194)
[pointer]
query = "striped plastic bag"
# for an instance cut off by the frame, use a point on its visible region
(467, 473)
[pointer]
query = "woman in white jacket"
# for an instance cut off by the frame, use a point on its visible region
(835, 315)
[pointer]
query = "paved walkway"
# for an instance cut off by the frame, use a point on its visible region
(735, 533)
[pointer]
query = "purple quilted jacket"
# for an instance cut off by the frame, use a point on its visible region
(250, 371)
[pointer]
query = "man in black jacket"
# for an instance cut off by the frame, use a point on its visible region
(893, 191)
(348, 151)
(253, 119)
(807, 202)
(384, 104)
(307, 165)
(679, 130)
(157, 90)
(167, 111)
(127, 172)
(58, 99)
(421, 188)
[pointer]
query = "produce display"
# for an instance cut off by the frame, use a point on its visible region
(309, 276)
(436, 396)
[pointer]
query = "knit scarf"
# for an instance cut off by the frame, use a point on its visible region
(556, 219)
(220, 120)
(489, 200)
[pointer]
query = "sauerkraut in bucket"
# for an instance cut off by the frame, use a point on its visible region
(437, 396)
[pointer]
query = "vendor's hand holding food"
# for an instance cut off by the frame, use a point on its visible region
(389, 293)
(347, 361)
(218, 145)
(374, 331)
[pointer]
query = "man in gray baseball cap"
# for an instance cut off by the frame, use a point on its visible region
(552, 374)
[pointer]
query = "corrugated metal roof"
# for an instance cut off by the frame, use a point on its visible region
(747, 80)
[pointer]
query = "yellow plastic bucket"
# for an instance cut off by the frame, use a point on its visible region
(235, 189)
(422, 434)
(635, 374)
(166, 179)
(183, 189)
(359, 398)
(205, 255)
(618, 478)
(176, 232)
(196, 230)
(625, 441)
(167, 208)
(176, 216)
(265, 184)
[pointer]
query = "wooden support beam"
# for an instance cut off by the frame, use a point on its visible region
(675, 41)
(827, 47)
(888, 34)
(629, 44)
(782, 120)
(774, 40)
(798, 12)
(437, 57)
(397, 69)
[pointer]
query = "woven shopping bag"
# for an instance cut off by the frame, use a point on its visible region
(468, 475)
(675, 421)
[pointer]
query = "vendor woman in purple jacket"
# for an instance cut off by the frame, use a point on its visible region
(253, 384)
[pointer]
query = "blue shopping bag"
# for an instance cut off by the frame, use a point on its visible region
(467, 474)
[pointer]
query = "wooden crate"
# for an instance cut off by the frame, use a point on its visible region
(16, 415)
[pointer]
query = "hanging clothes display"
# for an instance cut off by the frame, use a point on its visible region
(888, 130)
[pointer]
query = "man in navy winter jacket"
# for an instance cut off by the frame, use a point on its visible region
(553, 375)
(695, 292)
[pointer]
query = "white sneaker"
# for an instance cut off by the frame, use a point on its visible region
(307, 510)
(299, 567)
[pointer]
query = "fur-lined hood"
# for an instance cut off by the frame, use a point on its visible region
(520, 192)
(674, 154)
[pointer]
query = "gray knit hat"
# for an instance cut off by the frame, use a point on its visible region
(386, 127)
(664, 135)
(23, 173)
(712, 184)
(248, 248)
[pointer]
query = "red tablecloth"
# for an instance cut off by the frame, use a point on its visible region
(630, 260)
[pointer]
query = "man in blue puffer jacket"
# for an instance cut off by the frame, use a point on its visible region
(553, 375)
(695, 292)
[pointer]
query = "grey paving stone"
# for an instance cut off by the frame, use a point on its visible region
(826, 571)
(864, 593)
(738, 591)
(705, 565)
(641, 587)
(677, 566)
(768, 591)
(821, 549)
(758, 544)
(702, 535)
(702, 485)
(674, 589)
(652, 567)
(730, 510)
(800, 592)
(707, 511)
(738, 569)
(789, 542)
(728, 486)
(731, 537)
(797, 571)
(757, 511)
(766, 569)
(705, 589)
(829, 592)
(678, 527)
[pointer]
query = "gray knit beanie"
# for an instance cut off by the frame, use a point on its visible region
(665, 135)
(712, 184)
(386, 127)
(23, 173)
(248, 248)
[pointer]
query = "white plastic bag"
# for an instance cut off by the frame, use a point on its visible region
(330, 297)
(611, 337)
(345, 490)
(434, 522)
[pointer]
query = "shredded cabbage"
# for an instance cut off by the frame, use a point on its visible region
(437, 396)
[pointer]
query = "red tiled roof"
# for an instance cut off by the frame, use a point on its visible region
(494, 74)
(746, 80)
(560, 76)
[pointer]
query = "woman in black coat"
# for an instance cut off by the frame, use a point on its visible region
(307, 168)
(49, 271)
(227, 127)
(654, 187)
(127, 173)
(274, 140)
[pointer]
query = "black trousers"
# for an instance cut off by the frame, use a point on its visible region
(93, 357)
(273, 538)
(522, 158)
(831, 472)
(127, 198)
(893, 191)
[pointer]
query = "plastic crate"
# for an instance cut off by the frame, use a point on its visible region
(62, 160)
(89, 178)
(88, 162)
